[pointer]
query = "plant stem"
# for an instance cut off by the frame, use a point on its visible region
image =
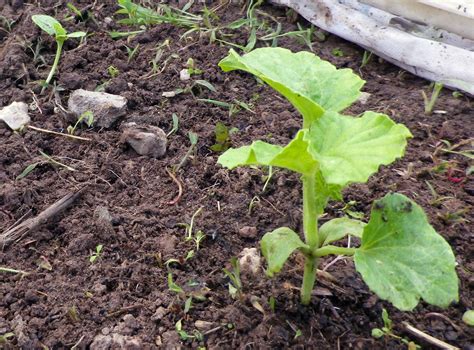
(310, 224)
(309, 277)
(332, 249)
(56, 60)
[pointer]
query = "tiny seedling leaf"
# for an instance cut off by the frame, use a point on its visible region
(27, 170)
(46, 23)
(309, 83)
(277, 246)
(206, 84)
(337, 229)
(468, 318)
(402, 258)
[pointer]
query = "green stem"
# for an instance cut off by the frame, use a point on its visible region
(56, 61)
(332, 249)
(310, 224)
(309, 277)
(310, 211)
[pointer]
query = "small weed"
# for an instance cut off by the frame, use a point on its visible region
(366, 57)
(193, 138)
(131, 52)
(113, 71)
(175, 127)
(4, 338)
(222, 135)
(337, 52)
(48, 159)
(172, 286)
(97, 254)
(430, 102)
(387, 330)
(86, 117)
(235, 284)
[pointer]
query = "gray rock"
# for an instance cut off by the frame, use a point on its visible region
(145, 140)
(115, 341)
(15, 115)
(107, 108)
(248, 232)
(159, 314)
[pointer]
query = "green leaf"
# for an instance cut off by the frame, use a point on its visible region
(468, 318)
(309, 83)
(403, 259)
(351, 149)
(46, 23)
(294, 156)
(76, 35)
(277, 246)
(336, 229)
(27, 170)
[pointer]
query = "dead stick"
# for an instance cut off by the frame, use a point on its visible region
(58, 133)
(23, 228)
(180, 188)
(428, 338)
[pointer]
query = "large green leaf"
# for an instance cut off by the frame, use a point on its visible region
(403, 259)
(277, 246)
(351, 149)
(294, 156)
(338, 228)
(309, 83)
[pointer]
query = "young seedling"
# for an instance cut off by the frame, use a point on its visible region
(86, 117)
(97, 254)
(51, 26)
(430, 102)
(330, 152)
(131, 52)
(175, 120)
(468, 318)
(235, 284)
(387, 330)
(113, 71)
(222, 134)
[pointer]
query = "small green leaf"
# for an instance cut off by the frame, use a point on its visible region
(402, 258)
(76, 35)
(27, 170)
(377, 333)
(277, 246)
(206, 84)
(387, 322)
(46, 23)
(468, 317)
(294, 156)
(336, 229)
(309, 83)
(351, 149)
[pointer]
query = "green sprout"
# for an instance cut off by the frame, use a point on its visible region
(51, 26)
(97, 254)
(86, 117)
(387, 330)
(430, 102)
(235, 284)
(331, 152)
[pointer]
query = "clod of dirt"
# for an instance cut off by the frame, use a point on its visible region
(248, 232)
(115, 341)
(159, 314)
(364, 97)
(128, 326)
(145, 140)
(203, 325)
(15, 115)
(107, 108)
(250, 261)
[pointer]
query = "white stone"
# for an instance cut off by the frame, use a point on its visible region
(145, 140)
(15, 115)
(250, 261)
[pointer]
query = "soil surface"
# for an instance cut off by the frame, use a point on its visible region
(124, 296)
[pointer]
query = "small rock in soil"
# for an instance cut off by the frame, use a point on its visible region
(128, 325)
(248, 232)
(159, 314)
(115, 341)
(99, 288)
(364, 97)
(184, 75)
(145, 140)
(250, 261)
(203, 325)
(107, 108)
(15, 115)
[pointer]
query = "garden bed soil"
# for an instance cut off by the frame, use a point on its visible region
(66, 300)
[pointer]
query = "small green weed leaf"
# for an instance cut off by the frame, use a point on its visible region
(76, 35)
(402, 258)
(468, 318)
(351, 149)
(46, 23)
(336, 229)
(294, 156)
(277, 246)
(27, 170)
(309, 83)
(61, 33)
(377, 333)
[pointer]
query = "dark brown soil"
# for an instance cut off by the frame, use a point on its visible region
(126, 291)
